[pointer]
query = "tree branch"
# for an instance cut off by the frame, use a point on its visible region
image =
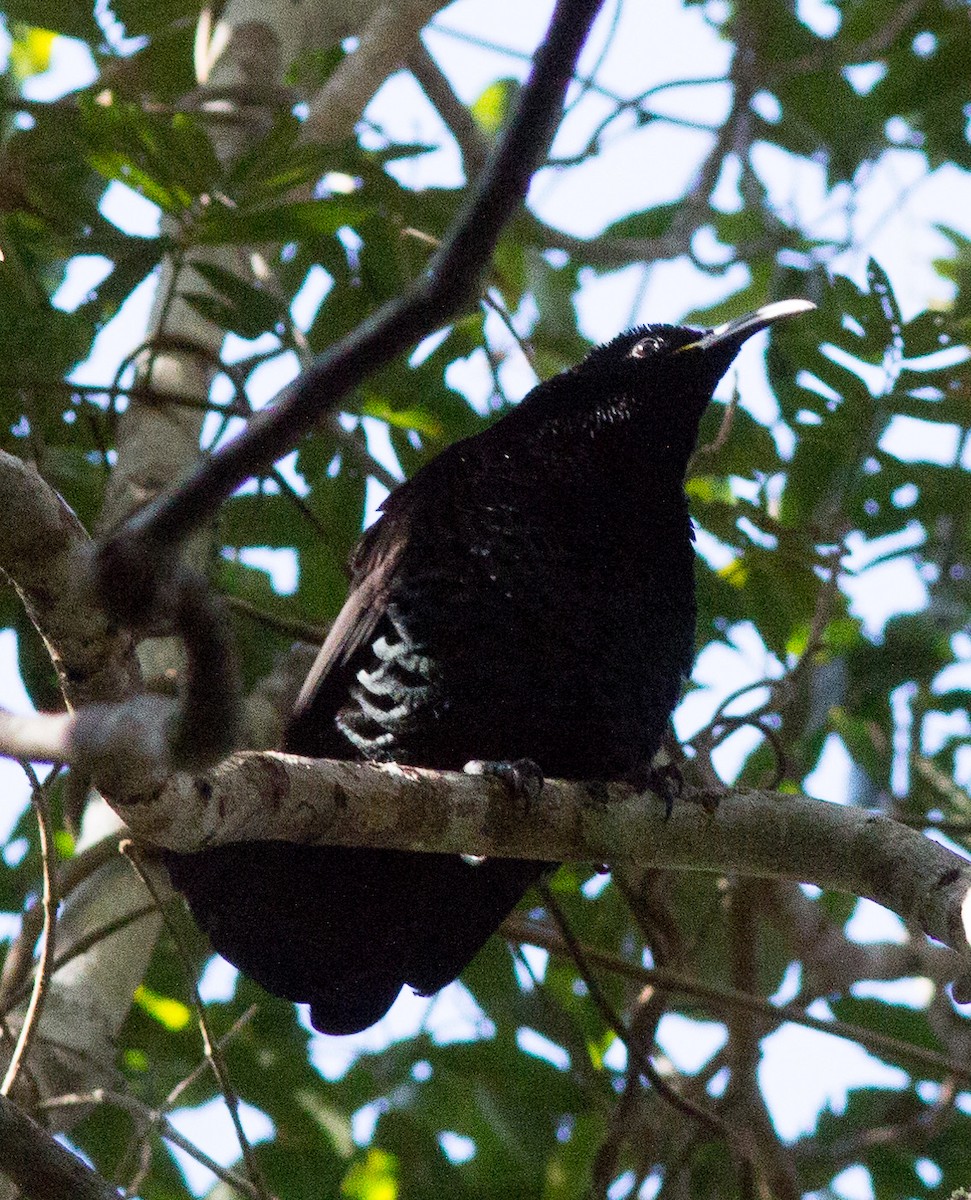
(267, 795)
(724, 1001)
(40, 1166)
(152, 1121)
(43, 550)
(385, 41)
(128, 741)
(210, 1044)
(258, 796)
(471, 141)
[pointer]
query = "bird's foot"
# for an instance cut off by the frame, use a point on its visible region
(663, 778)
(522, 776)
(523, 780)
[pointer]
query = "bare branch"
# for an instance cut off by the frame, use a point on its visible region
(278, 796)
(210, 1044)
(129, 747)
(19, 961)
(639, 1063)
(723, 1001)
(40, 1166)
(150, 1120)
(385, 41)
(91, 937)
(37, 737)
(260, 796)
(435, 84)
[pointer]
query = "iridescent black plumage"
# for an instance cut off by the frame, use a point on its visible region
(529, 594)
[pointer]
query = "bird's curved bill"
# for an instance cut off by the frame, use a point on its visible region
(733, 333)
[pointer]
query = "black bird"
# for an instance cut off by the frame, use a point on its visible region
(529, 594)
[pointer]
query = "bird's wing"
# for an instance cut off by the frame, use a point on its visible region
(373, 569)
(357, 620)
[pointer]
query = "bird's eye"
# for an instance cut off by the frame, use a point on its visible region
(644, 347)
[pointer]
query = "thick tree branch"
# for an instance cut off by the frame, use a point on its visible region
(43, 550)
(129, 742)
(260, 796)
(270, 795)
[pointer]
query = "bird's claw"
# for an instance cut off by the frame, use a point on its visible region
(522, 776)
(663, 778)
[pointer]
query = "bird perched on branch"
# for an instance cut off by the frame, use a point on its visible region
(528, 595)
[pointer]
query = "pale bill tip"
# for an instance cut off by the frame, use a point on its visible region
(743, 327)
(784, 308)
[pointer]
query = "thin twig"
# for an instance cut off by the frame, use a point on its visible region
(49, 901)
(436, 85)
(835, 54)
(607, 1012)
(153, 1119)
(492, 299)
(144, 393)
(221, 1044)
(760, 1171)
(724, 430)
(141, 1145)
(292, 627)
(594, 71)
(20, 956)
(210, 1044)
(640, 1058)
(84, 943)
(518, 929)
(559, 1023)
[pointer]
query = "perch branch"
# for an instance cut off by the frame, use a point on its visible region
(258, 796)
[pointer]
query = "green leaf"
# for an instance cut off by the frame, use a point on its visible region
(301, 219)
(244, 307)
(30, 53)
(418, 419)
(373, 1177)
(140, 19)
(893, 1020)
(651, 223)
(491, 110)
(173, 1014)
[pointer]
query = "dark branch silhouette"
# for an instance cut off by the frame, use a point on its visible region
(40, 1166)
(137, 560)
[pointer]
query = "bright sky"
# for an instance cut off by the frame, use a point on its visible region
(892, 218)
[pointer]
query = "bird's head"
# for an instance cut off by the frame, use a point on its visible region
(660, 378)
